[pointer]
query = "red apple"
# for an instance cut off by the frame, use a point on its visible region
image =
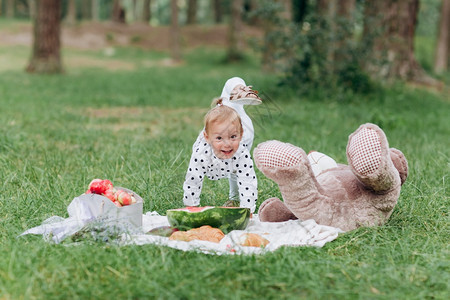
(107, 184)
(123, 197)
(110, 195)
(99, 186)
(94, 184)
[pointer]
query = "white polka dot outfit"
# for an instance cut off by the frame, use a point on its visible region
(239, 169)
(205, 164)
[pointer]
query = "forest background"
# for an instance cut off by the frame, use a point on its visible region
(113, 90)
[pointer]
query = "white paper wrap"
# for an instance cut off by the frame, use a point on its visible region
(88, 209)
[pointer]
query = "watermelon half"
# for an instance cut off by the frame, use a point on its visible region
(224, 218)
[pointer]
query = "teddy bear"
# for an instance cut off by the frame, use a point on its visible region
(362, 193)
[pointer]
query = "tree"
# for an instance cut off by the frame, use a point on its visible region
(299, 10)
(336, 21)
(319, 50)
(46, 57)
(32, 8)
(442, 59)
(86, 7)
(218, 11)
(147, 12)
(135, 10)
(10, 4)
(253, 6)
(139, 9)
(235, 32)
(192, 12)
(95, 10)
(175, 31)
(343, 34)
(287, 11)
(276, 15)
(118, 12)
(71, 14)
(388, 35)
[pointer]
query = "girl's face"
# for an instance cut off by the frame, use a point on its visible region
(224, 138)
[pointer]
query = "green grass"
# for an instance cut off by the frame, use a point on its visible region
(136, 127)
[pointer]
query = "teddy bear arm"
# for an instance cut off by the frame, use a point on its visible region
(289, 167)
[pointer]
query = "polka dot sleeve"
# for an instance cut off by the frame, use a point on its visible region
(247, 182)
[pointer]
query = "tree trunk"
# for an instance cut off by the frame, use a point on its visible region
(138, 10)
(95, 10)
(118, 12)
(192, 12)
(175, 31)
(253, 6)
(323, 7)
(326, 17)
(10, 4)
(275, 23)
(441, 63)
(343, 34)
(32, 8)
(46, 56)
(287, 12)
(235, 32)
(86, 10)
(346, 8)
(135, 10)
(147, 11)
(71, 13)
(389, 28)
(218, 12)
(299, 9)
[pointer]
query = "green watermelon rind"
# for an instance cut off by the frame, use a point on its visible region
(224, 218)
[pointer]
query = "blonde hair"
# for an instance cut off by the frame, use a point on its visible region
(220, 113)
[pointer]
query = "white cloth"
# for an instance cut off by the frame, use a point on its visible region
(292, 233)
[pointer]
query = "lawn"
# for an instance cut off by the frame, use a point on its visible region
(132, 117)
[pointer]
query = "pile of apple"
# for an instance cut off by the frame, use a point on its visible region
(105, 188)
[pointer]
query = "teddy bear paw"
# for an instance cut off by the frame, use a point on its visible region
(364, 151)
(273, 154)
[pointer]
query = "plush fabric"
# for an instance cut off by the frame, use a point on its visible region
(362, 193)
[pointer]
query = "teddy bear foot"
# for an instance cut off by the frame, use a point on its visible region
(369, 157)
(274, 210)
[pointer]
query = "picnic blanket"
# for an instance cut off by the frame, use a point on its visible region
(291, 233)
(81, 217)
